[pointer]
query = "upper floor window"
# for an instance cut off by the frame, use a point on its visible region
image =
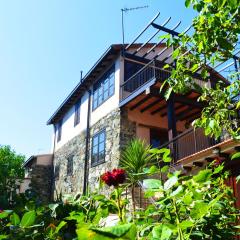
(104, 88)
(77, 113)
(70, 165)
(59, 130)
(98, 148)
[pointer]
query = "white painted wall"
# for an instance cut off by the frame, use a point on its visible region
(68, 129)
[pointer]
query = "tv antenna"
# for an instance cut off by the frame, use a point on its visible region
(124, 10)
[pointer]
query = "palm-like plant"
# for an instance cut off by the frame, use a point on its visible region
(134, 158)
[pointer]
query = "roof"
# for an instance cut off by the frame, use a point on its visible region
(107, 58)
(33, 157)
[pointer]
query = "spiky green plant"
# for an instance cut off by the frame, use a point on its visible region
(134, 158)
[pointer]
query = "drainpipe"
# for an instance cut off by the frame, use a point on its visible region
(86, 162)
(52, 175)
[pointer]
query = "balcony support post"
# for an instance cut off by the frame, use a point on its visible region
(172, 129)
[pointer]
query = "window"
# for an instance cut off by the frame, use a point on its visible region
(104, 88)
(77, 113)
(56, 172)
(98, 148)
(59, 131)
(70, 165)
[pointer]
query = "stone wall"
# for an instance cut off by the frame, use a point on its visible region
(41, 181)
(111, 124)
(64, 183)
(119, 131)
(127, 129)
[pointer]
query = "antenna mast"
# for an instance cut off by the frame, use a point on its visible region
(124, 10)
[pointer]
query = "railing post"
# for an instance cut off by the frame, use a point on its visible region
(172, 132)
(195, 141)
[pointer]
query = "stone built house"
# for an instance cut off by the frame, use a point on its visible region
(118, 100)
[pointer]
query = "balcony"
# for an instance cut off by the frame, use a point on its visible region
(147, 76)
(188, 143)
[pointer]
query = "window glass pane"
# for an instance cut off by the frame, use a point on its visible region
(101, 156)
(95, 150)
(105, 86)
(95, 95)
(94, 158)
(111, 79)
(95, 104)
(102, 137)
(105, 95)
(101, 147)
(111, 90)
(95, 141)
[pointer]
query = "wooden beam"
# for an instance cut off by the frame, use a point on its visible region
(193, 118)
(187, 114)
(188, 101)
(183, 113)
(177, 108)
(151, 104)
(141, 102)
(158, 110)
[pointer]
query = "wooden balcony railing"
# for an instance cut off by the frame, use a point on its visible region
(143, 76)
(188, 143)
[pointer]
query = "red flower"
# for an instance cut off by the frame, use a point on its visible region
(108, 178)
(114, 178)
(119, 175)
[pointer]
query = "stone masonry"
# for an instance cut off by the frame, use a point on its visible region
(119, 131)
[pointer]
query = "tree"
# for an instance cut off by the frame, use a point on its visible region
(11, 173)
(214, 40)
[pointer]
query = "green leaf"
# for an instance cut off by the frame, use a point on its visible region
(4, 214)
(187, 3)
(3, 237)
(28, 219)
(200, 210)
(186, 224)
(115, 231)
(15, 220)
(235, 156)
(162, 232)
(152, 183)
(60, 225)
(170, 182)
(203, 176)
(166, 233)
(177, 191)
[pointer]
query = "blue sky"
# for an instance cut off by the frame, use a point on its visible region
(44, 45)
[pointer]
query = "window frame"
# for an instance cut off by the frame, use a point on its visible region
(77, 112)
(98, 134)
(59, 130)
(70, 165)
(99, 85)
(57, 172)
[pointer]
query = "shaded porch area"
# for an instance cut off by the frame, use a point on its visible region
(162, 123)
